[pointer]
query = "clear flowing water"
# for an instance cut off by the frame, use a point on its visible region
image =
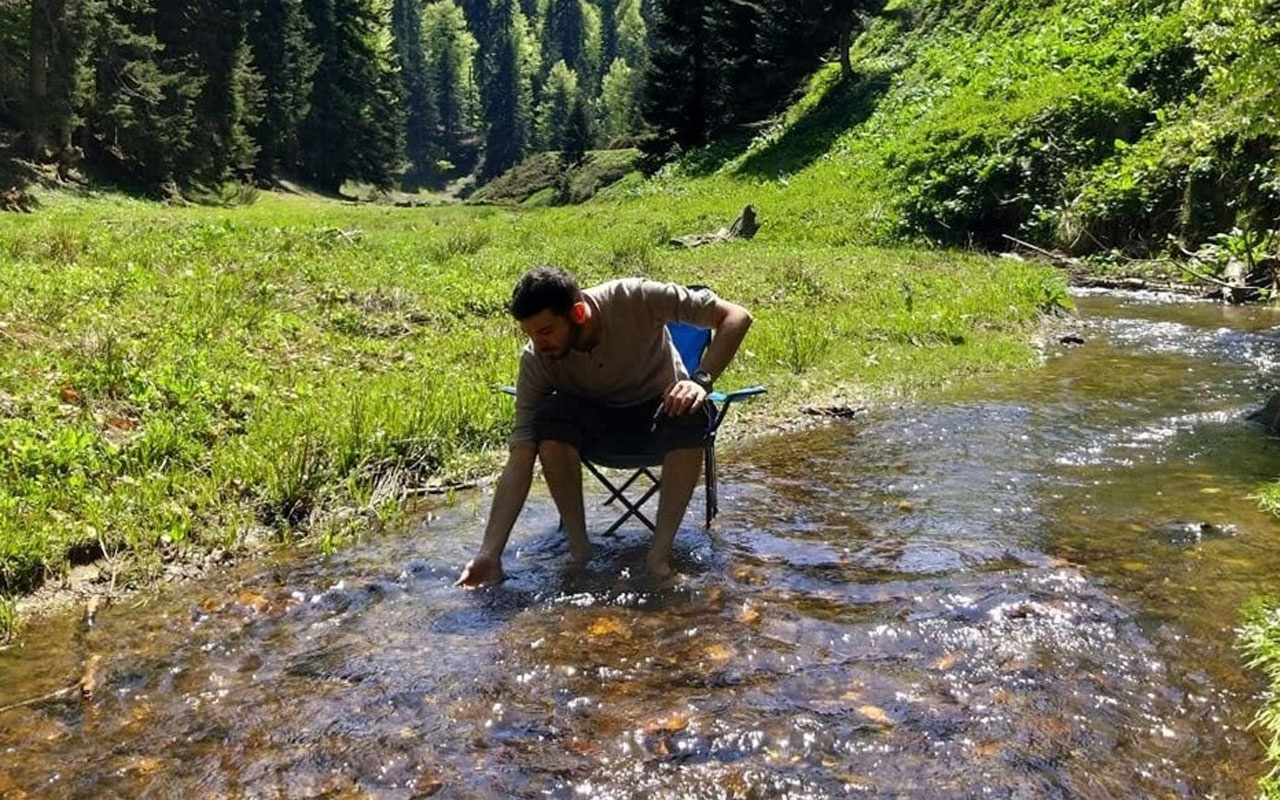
(1026, 589)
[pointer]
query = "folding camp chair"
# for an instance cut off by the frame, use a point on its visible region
(690, 342)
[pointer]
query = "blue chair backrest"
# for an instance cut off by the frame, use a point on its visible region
(690, 341)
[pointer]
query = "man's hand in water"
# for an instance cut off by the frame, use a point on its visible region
(479, 572)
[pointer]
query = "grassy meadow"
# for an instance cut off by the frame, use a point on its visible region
(182, 379)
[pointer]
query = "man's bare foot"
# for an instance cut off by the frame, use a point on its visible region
(658, 566)
(481, 571)
(578, 556)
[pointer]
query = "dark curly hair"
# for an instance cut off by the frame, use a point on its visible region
(544, 288)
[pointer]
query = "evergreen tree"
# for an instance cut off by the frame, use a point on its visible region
(633, 33)
(450, 59)
(51, 50)
(352, 129)
(591, 63)
(559, 96)
(15, 36)
(575, 140)
(479, 14)
(140, 116)
(507, 93)
(608, 31)
(283, 55)
(795, 35)
(679, 80)
(619, 102)
(208, 41)
(418, 94)
(734, 74)
(563, 32)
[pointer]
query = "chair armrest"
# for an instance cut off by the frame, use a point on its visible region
(736, 394)
(725, 399)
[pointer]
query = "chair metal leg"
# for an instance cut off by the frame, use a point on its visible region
(710, 482)
(619, 493)
(633, 509)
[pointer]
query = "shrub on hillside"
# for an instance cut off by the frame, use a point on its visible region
(971, 177)
(1187, 182)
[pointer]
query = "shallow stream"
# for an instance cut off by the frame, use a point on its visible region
(1028, 588)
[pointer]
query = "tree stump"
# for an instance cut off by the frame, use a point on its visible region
(744, 227)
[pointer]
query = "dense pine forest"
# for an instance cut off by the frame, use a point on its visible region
(387, 92)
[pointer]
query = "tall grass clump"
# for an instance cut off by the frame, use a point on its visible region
(1260, 640)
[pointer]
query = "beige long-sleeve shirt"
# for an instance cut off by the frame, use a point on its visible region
(633, 359)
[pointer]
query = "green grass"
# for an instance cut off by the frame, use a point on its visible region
(199, 375)
(1260, 640)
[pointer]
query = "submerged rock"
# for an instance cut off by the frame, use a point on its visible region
(1184, 533)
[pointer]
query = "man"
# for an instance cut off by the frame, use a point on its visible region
(600, 371)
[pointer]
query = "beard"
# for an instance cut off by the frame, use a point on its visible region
(575, 338)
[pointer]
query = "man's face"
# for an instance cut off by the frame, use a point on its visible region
(552, 334)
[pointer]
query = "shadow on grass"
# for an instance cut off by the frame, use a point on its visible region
(726, 147)
(845, 106)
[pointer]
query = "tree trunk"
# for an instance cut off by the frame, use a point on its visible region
(47, 36)
(846, 43)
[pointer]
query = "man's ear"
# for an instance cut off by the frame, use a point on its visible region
(578, 312)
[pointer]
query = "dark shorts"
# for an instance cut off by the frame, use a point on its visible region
(597, 429)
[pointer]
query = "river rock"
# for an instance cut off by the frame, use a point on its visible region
(1269, 415)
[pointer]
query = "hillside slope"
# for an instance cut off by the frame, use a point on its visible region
(1094, 126)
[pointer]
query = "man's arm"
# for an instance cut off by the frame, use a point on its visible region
(730, 323)
(508, 499)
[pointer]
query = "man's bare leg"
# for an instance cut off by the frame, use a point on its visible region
(680, 471)
(562, 469)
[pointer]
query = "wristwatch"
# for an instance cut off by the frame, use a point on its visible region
(703, 379)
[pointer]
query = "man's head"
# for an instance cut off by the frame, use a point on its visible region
(548, 304)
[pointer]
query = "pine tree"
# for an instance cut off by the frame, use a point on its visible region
(559, 96)
(735, 78)
(418, 93)
(283, 55)
(208, 41)
(795, 35)
(506, 94)
(47, 104)
(575, 140)
(563, 31)
(608, 31)
(15, 38)
(140, 116)
(353, 127)
(679, 80)
(633, 33)
(450, 64)
(619, 102)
